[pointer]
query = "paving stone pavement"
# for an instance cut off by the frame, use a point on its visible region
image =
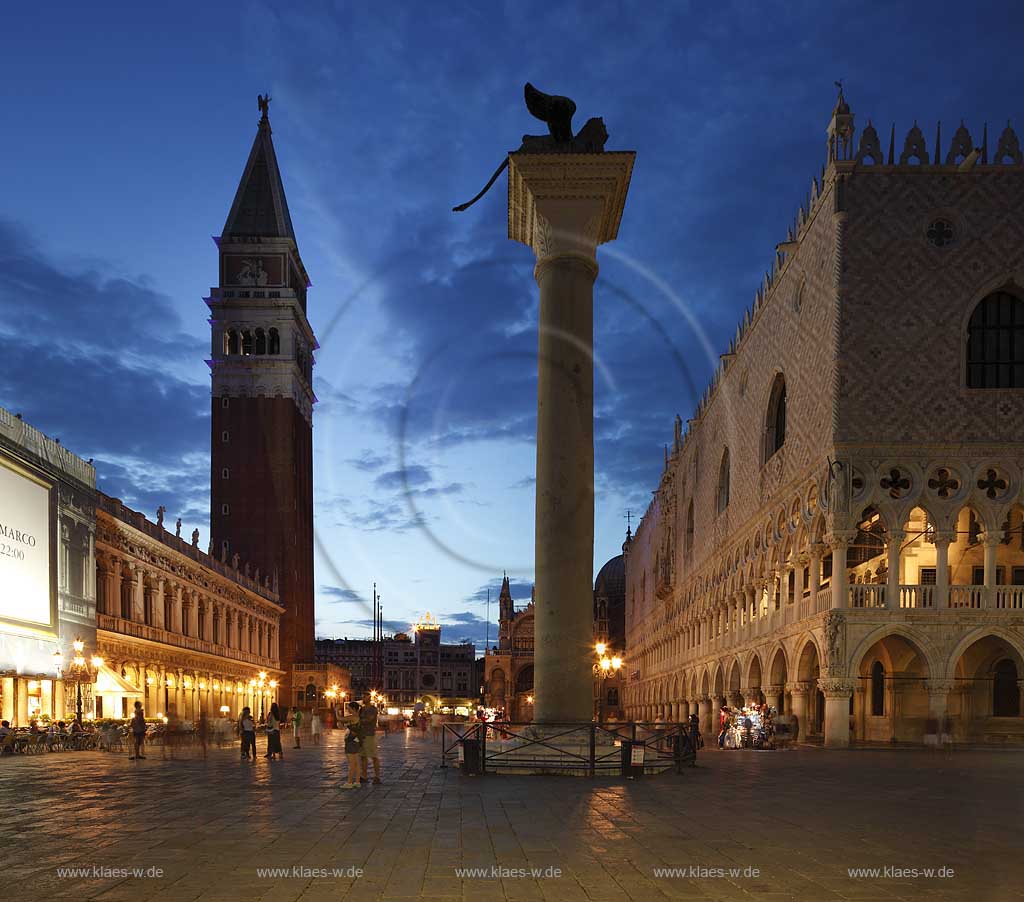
(802, 818)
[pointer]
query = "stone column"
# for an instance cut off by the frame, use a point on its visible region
(773, 695)
(21, 701)
(938, 697)
(798, 699)
(840, 540)
(991, 541)
(773, 588)
(127, 607)
(7, 707)
(798, 580)
(704, 715)
(892, 587)
(563, 206)
(815, 574)
(837, 711)
(940, 599)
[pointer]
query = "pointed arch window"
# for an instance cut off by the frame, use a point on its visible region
(247, 343)
(995, 342)
(775, 419)
(273, 342)
(722, 496)
(877, 689)
(261, 342)
(231, 342)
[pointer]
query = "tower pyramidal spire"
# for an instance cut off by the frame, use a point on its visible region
(261, 363)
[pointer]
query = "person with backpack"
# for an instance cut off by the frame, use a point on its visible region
(138, 733)
(368, 721)
(353, 746)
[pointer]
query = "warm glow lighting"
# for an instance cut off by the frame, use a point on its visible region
(224, 709)
(97, 661)
(616, 663)
(606, 664)
(252, 683)
(150, 681)
(159, 715)
(263, 674)
(79, 645)
(600, 648)
(33, 685)
(216, 684)
(188, 683)
(529, 699)
(273, 684)
(165, 720)
(79, 661)
(202, 684)
(170, 682)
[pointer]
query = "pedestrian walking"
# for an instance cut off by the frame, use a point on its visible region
(297, 727)
(436, 724)
(315, 728)
(138, 733)
(203, 731)
(274, 734)
(247, 730)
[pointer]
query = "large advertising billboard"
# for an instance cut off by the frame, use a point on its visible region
(26, 570)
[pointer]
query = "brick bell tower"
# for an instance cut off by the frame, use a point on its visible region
(261, 475)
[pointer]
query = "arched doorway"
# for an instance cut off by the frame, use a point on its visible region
(988, 697)
(522, 700)
(808, 673)
(1005, 694)
(890, 702)
(778, 678)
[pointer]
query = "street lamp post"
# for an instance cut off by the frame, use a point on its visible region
(80, 671)
(604, 666)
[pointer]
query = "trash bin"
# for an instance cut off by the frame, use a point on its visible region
(472, 755)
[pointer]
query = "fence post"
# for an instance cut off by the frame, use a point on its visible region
(593, 748)
(483, 750)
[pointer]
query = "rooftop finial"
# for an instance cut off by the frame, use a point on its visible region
(264, 103)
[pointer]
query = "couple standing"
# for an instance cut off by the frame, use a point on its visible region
(361, 743)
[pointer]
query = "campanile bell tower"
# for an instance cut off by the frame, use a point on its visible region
(261, 477)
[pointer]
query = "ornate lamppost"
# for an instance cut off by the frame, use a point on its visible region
(79, 671)
(605, 665)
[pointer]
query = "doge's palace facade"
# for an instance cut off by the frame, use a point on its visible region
(839, 529)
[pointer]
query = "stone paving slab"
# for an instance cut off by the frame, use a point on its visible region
(800, 818)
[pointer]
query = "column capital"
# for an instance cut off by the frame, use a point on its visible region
(566, 204)
(840, 538)
(772, 689)
(836, 687)
(943, 538)
(939, 687)
(897, 535)
(798, 688)
(816, 549)
(991, 538)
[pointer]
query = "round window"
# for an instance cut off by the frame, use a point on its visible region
(427, 680)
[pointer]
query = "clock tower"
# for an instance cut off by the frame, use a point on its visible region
(261, 476)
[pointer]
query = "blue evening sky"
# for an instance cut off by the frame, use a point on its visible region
(126, 127)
